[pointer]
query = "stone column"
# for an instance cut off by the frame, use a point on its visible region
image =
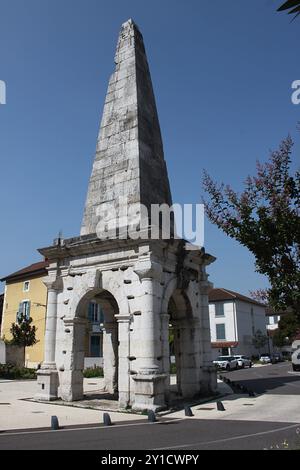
(47, 376)
(177, 350)
(149, 329)
(207, 369)
(124, 379)
(165, 321)
(110, 357)
(150, 384)
(71, 371)
(189, 363)
(50, 333)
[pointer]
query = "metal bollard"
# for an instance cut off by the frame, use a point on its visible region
(188, 412)
(220, 406)
(151, 416)
(54, 423)
(106, 420)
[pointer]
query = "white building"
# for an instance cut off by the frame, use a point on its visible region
(234, 320)
(272, 321)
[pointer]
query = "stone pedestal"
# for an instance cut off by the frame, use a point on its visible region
(71, 371)
(71, 385)
(149, 392)
(47, 380)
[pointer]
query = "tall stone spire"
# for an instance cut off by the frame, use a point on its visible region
(129, 161)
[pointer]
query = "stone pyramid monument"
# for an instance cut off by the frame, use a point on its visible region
(129, 162)
(141, 285)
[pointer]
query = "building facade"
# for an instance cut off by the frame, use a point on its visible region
(26, 292)
(234, 320)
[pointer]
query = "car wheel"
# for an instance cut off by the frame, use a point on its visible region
(228, 367)
(243, 365)
(250, 365)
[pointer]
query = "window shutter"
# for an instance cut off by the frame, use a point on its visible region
(28, 305)
(19, 312)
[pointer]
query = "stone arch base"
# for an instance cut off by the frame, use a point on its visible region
(137, 279)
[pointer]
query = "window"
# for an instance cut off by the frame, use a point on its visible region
(24, 309)
(26, 286)
(95, 313)
(220, 332)
(219, 309)
(96, 346)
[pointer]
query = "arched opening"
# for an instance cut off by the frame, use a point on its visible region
(180, 316)
(98, 344)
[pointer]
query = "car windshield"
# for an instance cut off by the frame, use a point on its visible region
(224, 358)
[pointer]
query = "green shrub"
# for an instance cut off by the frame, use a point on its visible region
(11, 372)
(93, 372)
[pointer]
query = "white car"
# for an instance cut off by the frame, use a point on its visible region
(243, 361)
(226, 362)
(296, 360)
(265, 359)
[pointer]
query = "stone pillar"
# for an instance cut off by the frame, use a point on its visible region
(47, 376)
(189, 363)
(207, 370)
(124, 379)
(150, 384)
(165, 321)
(71, 371)
(177, 350)
(110, 357)
(50, 333)
(149, 329)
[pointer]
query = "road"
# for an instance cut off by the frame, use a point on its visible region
(236, 429)
(277, 379)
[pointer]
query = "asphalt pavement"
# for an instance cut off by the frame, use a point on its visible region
(271, 420)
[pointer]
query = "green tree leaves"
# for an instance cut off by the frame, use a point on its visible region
(23, 332)
(265, 218)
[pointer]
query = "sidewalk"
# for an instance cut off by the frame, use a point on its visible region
(15, 413)
(19, 411)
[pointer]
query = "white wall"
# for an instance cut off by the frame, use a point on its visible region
(248, 325)
(228, 319)
(240, 325)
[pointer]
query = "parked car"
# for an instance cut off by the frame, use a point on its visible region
(243, 361)
(276, 357)
(296, 360)
(226, 362)
(287, 355)
(265, 359)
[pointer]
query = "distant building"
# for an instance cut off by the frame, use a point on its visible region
(272, 320)
(26, 293)
(234, 320)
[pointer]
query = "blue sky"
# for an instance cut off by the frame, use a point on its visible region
(222, 73)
